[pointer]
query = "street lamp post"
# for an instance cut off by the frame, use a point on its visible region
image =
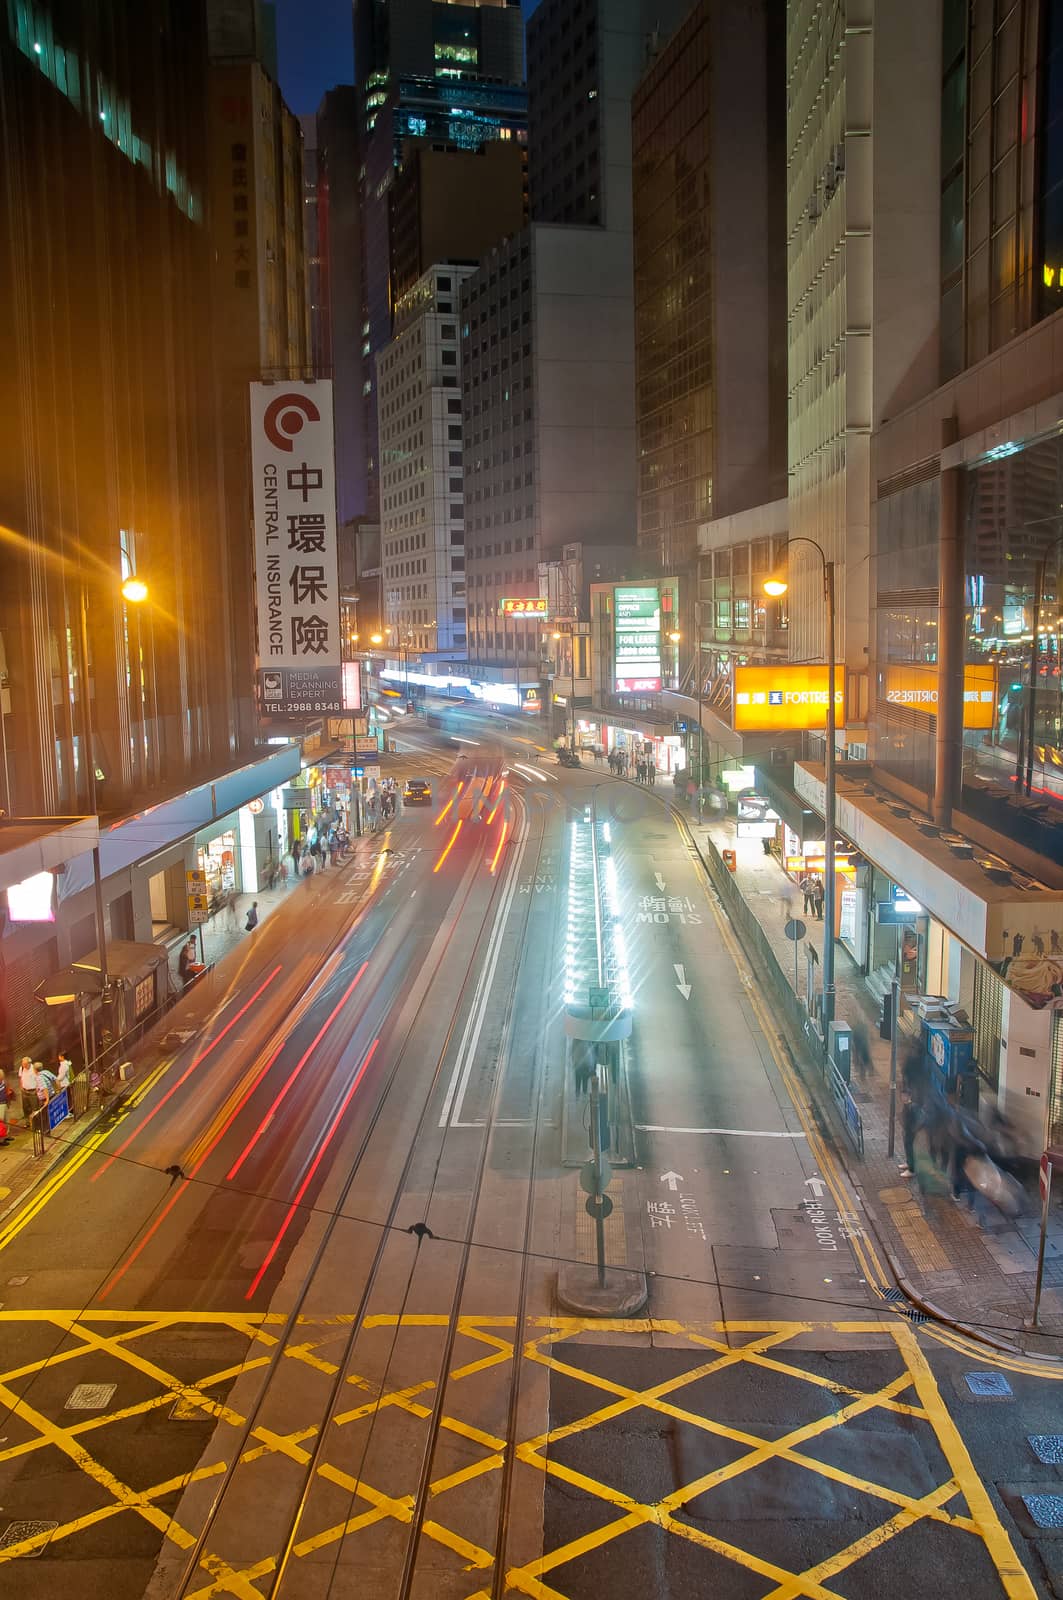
(135, 591)
(572, 683)
(776, 587)
(1026, 782)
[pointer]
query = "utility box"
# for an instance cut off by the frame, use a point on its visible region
(840, 1049)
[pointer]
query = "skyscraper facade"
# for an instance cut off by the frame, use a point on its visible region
(422, 511)
(112, 466)
(708, 156)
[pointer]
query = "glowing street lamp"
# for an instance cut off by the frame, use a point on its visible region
(135, 590)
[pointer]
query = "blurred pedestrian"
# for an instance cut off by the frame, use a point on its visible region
(64, 1074)
(252, 917)
(808, 891)
(818, 898)
(862, 1052)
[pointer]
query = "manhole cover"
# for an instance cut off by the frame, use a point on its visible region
(17, 1532)
(1045, 1509)
(90, 1397)
(1048, 1447)
(988, 1385)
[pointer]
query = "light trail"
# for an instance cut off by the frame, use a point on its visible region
(449, 845)
(348, 1097)
(293, 1075)
(186, 1074)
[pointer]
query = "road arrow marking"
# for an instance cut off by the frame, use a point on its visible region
(683, 986)
(817, 1186)
(659, 880)
(672, 1179)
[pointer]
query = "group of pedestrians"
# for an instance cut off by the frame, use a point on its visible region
(814, 894)
(37, 1085)
(950, 1150)
(639, 766)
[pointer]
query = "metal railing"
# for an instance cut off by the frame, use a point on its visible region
(792, 1006)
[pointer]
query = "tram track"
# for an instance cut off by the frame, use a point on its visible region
(388, 1227)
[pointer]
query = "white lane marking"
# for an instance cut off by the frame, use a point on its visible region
(817, 1186)
(736, 1133)
(681, 973)
(672, 1179)
(459, 1078)
(659, 880)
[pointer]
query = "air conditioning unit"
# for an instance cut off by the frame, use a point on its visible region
(839, 159)
(814, 204)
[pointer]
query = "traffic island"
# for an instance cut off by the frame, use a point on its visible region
(616, 1292)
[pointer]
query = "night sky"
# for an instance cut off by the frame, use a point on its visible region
(315, 49)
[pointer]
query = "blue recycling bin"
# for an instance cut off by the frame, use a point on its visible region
(949, 1052)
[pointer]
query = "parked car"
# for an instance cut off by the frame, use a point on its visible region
(417, 792)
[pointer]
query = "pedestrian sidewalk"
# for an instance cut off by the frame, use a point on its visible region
(980, 1276)
(19, 1168)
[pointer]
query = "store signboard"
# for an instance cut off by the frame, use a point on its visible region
(784, 698)
(352, 686)
(533, 606)
(366, 744)
(637, 639)
(198, 899)
(296, 578)
(916, 687)
(755, 830)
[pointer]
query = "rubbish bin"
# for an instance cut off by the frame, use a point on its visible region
(728, 859)
(885, 1026)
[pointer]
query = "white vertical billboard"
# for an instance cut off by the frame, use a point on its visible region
(296, 567)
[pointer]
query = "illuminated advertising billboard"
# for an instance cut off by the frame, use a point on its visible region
(917, 688)
(296, 576)
(534, 606)
(637, 639)
(781, 699)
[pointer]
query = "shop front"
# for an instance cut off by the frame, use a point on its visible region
(665, 750)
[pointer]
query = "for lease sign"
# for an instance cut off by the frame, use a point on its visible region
(637, 638)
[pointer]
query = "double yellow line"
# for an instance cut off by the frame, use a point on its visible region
(39, 1197)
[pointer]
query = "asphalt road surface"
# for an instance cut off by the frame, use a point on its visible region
(288, 1323)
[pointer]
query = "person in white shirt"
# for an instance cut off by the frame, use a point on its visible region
(27, 1078)
(64, 1073)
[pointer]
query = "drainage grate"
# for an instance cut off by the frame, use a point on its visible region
(90, 1397)
(988, 1385)
(1047, 1447)
(1045, 1509)
(899, 1303)
(17, 1532)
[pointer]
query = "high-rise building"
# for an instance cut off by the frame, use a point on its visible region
(548, 385)
(447, 77)
(435, 38)
(449, 204)
(111, 466)
(343, 353)
(549, 318)
(422, 512)
(927, 396)
(710, 307)
(585, 58)
(256, 199)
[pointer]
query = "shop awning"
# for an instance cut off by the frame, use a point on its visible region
(64, 987)
(126, 960)
(30, 845)
(159, 827)
(1008, 918)
(802, 818)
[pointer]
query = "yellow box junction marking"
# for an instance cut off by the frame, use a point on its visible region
(910, 1394)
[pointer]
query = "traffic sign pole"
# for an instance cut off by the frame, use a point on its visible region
(596, 1156)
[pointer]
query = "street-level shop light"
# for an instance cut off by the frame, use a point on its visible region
(376, 638)
(776, 587)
